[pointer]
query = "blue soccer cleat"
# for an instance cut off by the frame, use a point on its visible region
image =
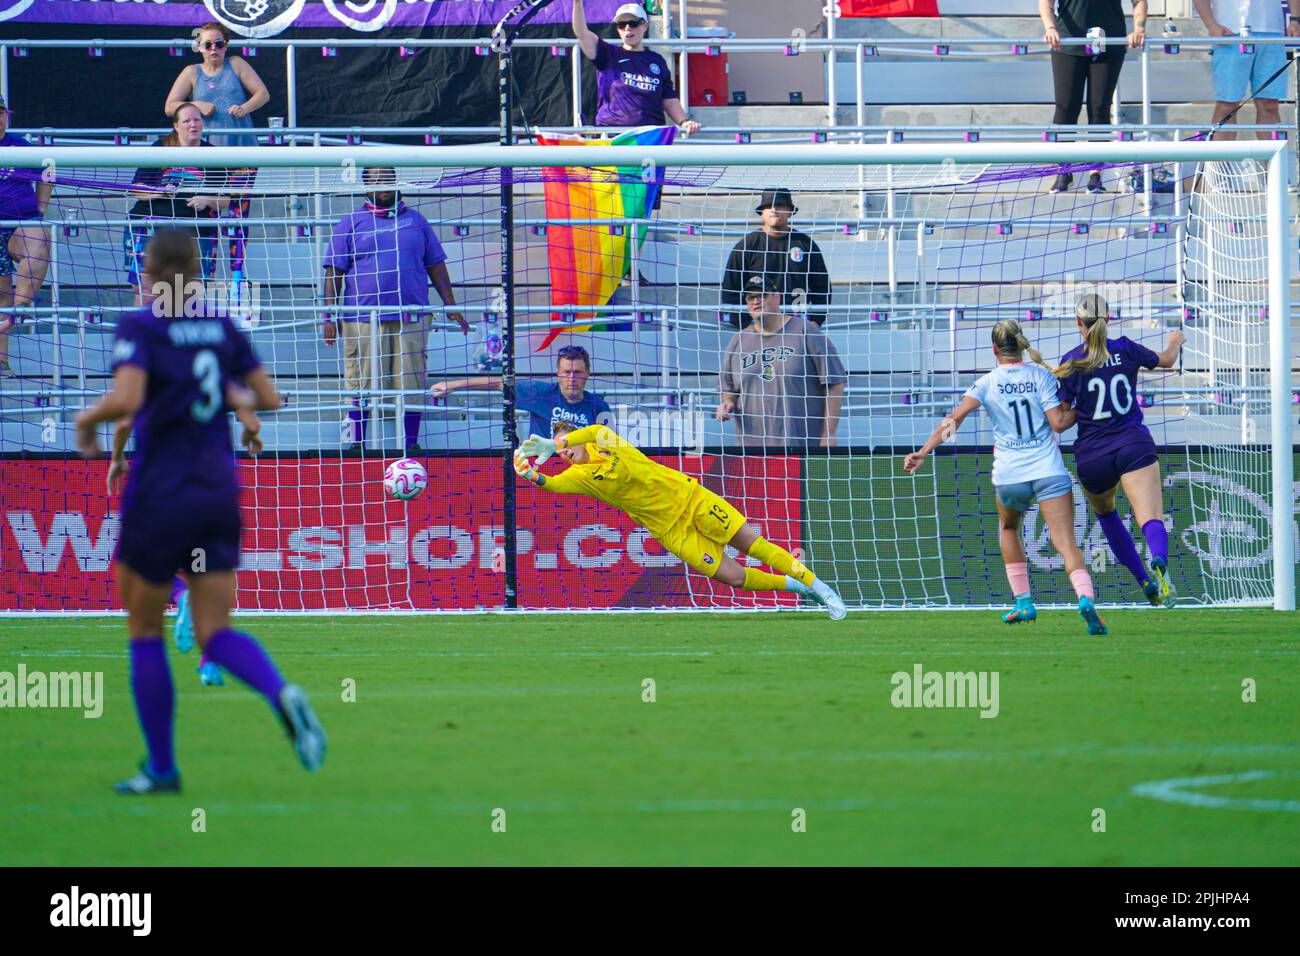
(304, 729)
(1022, 612)
(1168, 593)
(1151, 590)
(147, 782)
(210, 675)
(1088, 611)
(183, 628)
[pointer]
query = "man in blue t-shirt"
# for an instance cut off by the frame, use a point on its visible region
(564, 400)
(633, 85)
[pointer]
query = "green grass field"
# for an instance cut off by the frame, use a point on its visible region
(755, 716)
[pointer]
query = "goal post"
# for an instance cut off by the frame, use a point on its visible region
(926, 246)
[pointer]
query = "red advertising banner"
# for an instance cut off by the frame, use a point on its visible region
(889, 8)
(321, 535)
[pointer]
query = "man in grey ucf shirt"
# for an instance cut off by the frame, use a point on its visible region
(782, 381)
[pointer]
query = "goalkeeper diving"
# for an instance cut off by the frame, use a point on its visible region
(686, 518)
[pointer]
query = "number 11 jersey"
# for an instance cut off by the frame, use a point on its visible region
(1017, 398)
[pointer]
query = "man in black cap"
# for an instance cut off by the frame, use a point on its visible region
(786, 255)
(782, 381)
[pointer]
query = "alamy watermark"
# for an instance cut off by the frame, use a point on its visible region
(676, 428)
(922, 688)
(198, 300)
(75, 690)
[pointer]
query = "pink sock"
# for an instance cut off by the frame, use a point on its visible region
(1082, 582)
(1018, 578)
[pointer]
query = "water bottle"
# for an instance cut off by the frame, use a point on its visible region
(1171, 37)
(1245, 46)
(490, 344)
(1096, 45)
(71, 224)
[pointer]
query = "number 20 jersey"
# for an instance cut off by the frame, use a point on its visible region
(1106, 399)
(1016, 398)
(183, 447)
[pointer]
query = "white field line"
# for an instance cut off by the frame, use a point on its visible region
(1184, 790)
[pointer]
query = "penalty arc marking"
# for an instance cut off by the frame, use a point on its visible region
(1183, 790)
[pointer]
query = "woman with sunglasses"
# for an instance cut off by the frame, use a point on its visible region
(226, 91)
(633, 85)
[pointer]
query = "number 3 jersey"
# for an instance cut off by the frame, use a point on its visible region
(183, 447)
(1016, 398)
(1106, 398)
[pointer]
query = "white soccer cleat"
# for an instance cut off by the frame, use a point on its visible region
(825, 595)
(304, 729)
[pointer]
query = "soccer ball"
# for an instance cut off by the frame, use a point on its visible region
(405, 479)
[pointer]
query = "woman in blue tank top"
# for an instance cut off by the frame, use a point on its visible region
(226, 91)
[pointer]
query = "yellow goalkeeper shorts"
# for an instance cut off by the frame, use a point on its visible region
(707, 524)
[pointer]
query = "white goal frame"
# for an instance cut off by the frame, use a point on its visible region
(1272, 155)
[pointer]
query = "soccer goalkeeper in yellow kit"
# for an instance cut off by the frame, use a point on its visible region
(685, 517)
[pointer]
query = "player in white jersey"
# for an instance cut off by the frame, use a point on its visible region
(1026, 414)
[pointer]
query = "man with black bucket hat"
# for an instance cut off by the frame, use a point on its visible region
(778, 252)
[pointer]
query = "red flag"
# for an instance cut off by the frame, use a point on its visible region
(889, 8)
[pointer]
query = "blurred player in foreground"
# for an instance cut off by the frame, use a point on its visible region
(688, 519)
(1025, 413)
(173, 371)
(183, 625)
(1113, 448)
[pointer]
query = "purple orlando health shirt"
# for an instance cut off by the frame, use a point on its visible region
(1106, 399)
(17, 193)
(184, 456)
(631, 86)
(384, 261)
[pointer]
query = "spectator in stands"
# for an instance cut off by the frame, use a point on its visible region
(633, 85)
(1074, 68)
(564, 400)
(381, 260)
(24, 250)
(177, 194)
(782, 379)
(1236, 73)
(776, 251)
(226, 91)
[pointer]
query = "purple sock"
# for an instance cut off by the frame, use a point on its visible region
(355, 416)
(178, 588)
(1157, 539)
(411, 426)
(155, 701)
(245, 658)
(1121, 544)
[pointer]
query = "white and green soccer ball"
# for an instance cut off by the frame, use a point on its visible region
(405, 479)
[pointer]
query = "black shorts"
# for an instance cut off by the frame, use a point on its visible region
(158, 541)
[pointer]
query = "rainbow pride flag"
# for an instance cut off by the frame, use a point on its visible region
(588, 263)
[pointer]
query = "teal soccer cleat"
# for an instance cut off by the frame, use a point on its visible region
(304, 729)
(1022, 612)
(210, 675)
(1088, 611)
(183, 628)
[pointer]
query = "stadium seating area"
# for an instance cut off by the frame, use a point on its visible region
(886, 308)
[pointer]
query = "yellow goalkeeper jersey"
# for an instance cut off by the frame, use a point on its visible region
(654, 495)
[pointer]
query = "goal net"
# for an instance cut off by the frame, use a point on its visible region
(612, 262)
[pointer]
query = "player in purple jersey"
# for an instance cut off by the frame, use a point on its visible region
(1113, 447)
(178, 370)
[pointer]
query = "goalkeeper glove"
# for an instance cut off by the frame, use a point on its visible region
(523, 469)
(534, 446)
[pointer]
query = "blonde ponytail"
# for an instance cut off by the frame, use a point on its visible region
(1010, 340)
(1094, 337)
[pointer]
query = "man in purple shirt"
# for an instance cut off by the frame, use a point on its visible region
(380, 261)
(633, 85)
(24, 250)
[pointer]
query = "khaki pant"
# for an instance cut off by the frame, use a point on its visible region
(402, 360)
